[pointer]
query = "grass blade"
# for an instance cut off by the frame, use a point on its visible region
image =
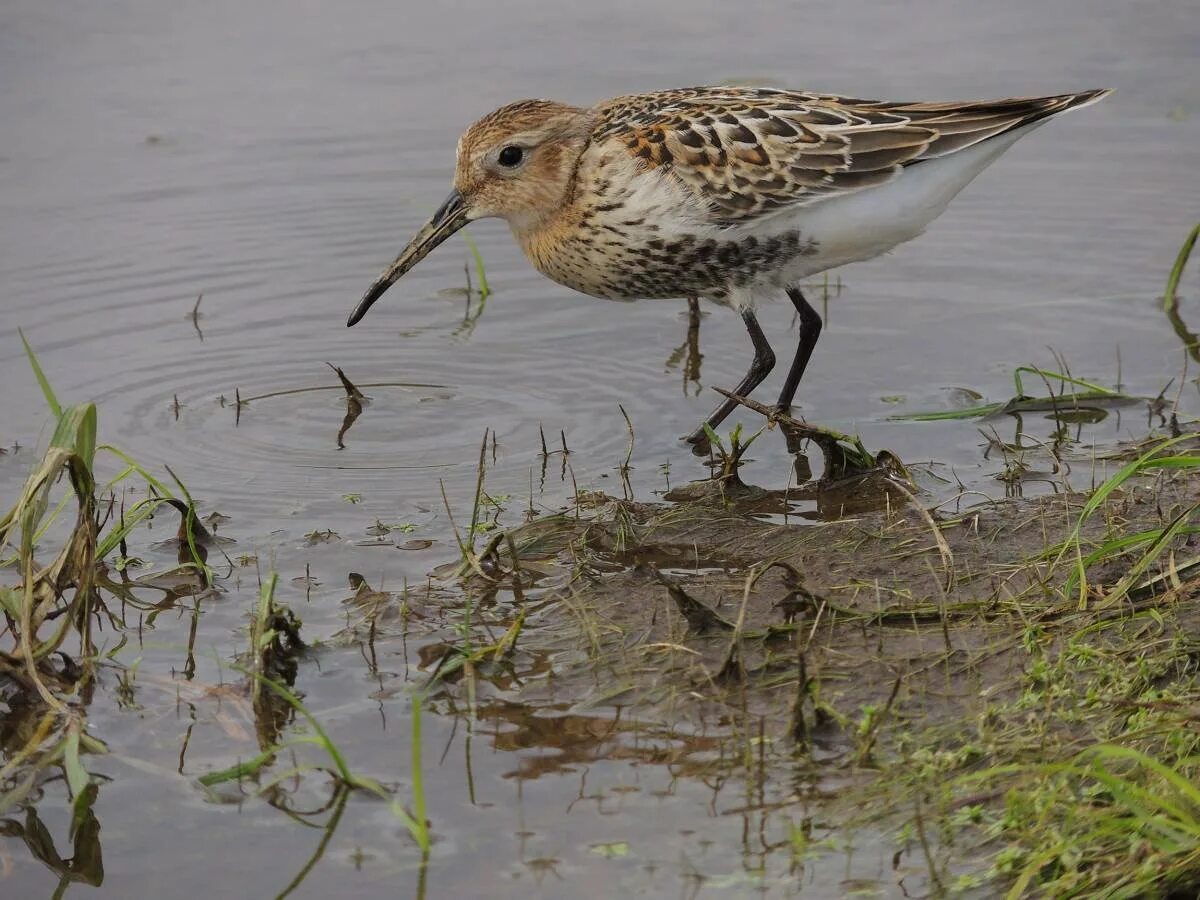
(43, 382)
(238, 771)
(480, 271)
(420, 825)
(1170, 296)
(76, 431)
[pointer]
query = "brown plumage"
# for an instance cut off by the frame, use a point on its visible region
(754, 150)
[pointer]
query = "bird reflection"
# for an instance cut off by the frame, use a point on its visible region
(687, 356)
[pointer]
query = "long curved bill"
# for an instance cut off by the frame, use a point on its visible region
(450, 217)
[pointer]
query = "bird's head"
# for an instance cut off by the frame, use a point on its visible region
(517, 163)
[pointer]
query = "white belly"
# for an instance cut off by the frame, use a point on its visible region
(865, 224)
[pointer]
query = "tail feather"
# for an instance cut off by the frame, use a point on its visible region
(962, 125)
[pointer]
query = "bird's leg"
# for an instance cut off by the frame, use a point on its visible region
(764, 362)
(810, 330)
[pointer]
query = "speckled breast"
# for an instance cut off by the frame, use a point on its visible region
(636, 264)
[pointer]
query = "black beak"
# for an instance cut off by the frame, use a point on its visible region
(450, 217)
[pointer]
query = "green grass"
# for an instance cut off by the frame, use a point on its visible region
(1094, 752)
(1171, 294)
(1151, 460)
(1109, 821)
(729, 454)
(480, 270)
(1092, 394)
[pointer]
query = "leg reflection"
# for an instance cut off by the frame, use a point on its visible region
(687, 356)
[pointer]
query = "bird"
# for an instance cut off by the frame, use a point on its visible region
(734, 194)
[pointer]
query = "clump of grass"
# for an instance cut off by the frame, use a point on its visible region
(729, 455)
(471, 559)
(50, 613)
(1156, 541)
(56, 599)
(473, 653)
(625, 468)
(1124, 825)
(1079, 778)
(59, 592)
(1094, 760)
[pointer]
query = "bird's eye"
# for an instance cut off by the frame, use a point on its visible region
(510, 157)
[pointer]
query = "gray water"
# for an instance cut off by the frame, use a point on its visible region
(273, 157)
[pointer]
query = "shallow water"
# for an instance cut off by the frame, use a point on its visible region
(273, 158)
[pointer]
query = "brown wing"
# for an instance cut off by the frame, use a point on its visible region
(752, 151)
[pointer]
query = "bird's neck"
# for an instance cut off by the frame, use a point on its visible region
(543, 227)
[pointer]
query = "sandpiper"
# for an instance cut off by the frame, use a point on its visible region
(729, 193)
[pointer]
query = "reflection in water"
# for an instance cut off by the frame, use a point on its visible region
(337, 806)
(34, 755)
(563, 452)
(195, 317)
(689, 351)
(355, 401)
(765, 804)
(1067, 418)
(580, 739)
(1171, 295)
(1017, 471)
(354, 408)
(471, 315)
(1191, 343)
(86, 863)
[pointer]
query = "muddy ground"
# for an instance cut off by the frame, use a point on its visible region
(853, 650)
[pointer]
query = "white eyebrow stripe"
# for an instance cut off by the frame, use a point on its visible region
(524, 139)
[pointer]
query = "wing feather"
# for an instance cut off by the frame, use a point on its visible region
(750, 152)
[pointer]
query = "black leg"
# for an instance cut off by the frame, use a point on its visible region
(810, 330)
(764, 362)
